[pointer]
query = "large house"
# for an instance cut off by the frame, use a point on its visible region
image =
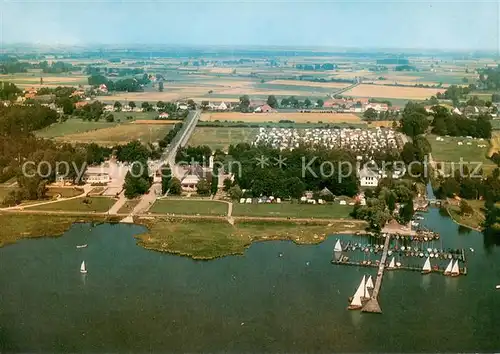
(265, 108)
(368, 177)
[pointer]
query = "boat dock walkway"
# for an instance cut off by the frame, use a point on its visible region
(372, 305)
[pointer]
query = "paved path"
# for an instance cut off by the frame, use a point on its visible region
(147, 200)
(118, 205)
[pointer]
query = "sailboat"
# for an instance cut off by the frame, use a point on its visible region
(447, 271)
(392, 264)
(426, 269)
(82, 268)
(369, 283)
(81, 246)
(356, 299)
(455, 271)
(338, 247)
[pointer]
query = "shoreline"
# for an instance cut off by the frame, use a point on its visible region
(459, 223)
(184, 235)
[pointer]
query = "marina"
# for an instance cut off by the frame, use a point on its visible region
(405, 253)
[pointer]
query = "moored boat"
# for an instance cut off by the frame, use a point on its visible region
(426, 269)
(447, 271)
(355, 303)
(81, 246)
(338, 246)
(392, 264)
(455, 271)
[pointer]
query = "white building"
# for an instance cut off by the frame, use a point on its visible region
(96, 175)
(368, 178)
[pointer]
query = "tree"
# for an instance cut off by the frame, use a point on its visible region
(204, 105)
(132, 105)
(175, 187)
(495, 97)
(272, 101)
(166, 176)
(465, 208)
(307, 103)
(370, 114)
(67, 105)
(203, 187)
(160, 86)
(145, 106)
(191, 104)
(109, 118)
(227, 184)
(406, 212)
(244, 103)
(235, 192)
(320, 103)
(117, 106)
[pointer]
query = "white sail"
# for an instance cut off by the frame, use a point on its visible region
(356, 301)
(427, 265)
(455, 269)
(448, 268)
(82, 268)
(367, 292)
(360, 292)
(369, 283)
(338, 247)
(392, 263)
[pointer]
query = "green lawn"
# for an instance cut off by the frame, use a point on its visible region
(334, 211)
(449, 151)
(64, 192)
(128, 206)
(122, 116)
(189, 207)
(71, 126)
(95, 204)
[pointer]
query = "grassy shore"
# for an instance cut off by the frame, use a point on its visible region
(204, 239)
(19, 226)
(189, 207)
(473, 221)
(333, 211)
(90, 204)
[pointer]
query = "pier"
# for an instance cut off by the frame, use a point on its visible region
(372, 305)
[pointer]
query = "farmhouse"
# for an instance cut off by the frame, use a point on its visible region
(103, 88)
(163, 115)
(265, 108)
(80, 104)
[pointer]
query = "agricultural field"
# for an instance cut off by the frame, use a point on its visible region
(296, 117)
(189, 207)
(221, 137)
(400, 92)
(120, 134)
(92, 204)
(334, 211)
(330, 85)
(72, 126)
(26, 80)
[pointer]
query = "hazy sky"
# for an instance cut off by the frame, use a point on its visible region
(395, 24)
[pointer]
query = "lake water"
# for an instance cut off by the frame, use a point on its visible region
(138, 300)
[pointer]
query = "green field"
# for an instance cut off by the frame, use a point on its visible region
(221, 138)
(122, 116)
(189, 207)
(449, 150)
(72, 126)
(495, 124)
(95, 204)
(334, 211)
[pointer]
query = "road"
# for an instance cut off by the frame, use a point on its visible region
(180, 140)
(342, 90)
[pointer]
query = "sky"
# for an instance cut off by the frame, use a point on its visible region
(361, 24)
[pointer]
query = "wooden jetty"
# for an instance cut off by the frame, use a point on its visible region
(372, 305)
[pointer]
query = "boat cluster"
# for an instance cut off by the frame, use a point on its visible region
(409, 251)
(362, 141)
(362, 294)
